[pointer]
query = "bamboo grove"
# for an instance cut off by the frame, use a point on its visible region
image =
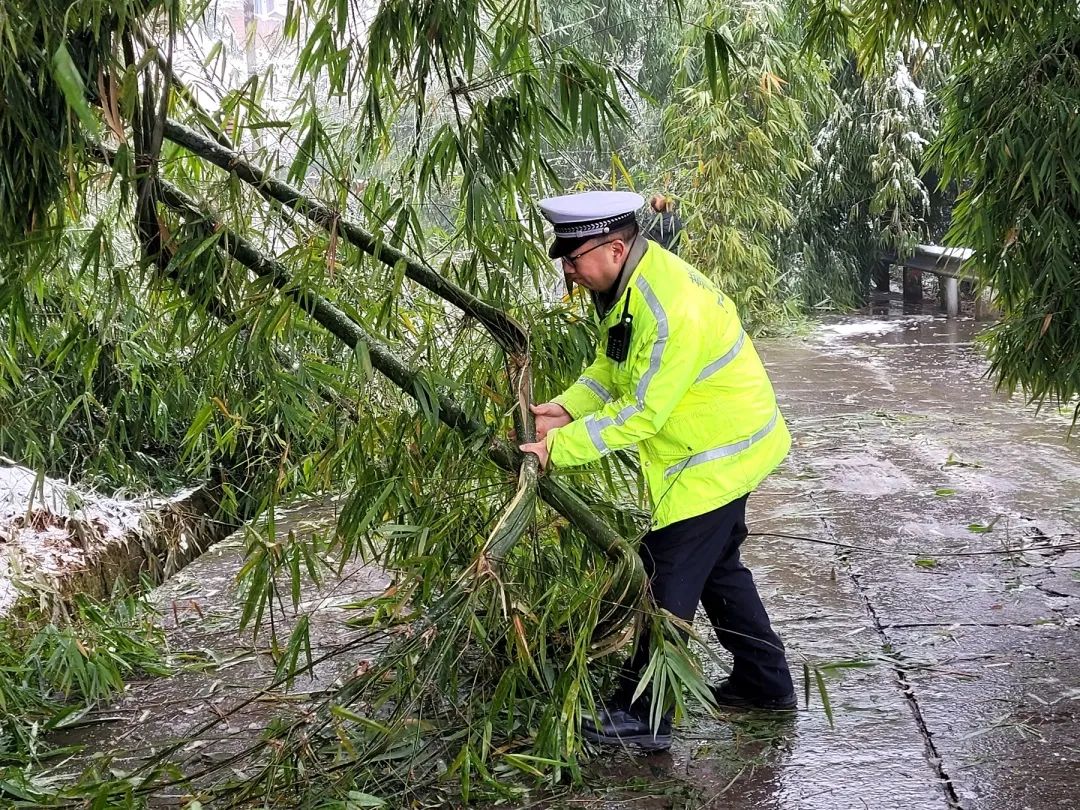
(278, 297)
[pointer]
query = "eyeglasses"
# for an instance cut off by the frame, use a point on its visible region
(573, 258)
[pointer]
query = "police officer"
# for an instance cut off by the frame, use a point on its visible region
(678, 377)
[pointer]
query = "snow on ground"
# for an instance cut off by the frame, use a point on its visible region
(860, 328)
(869, 328)
(47, 527)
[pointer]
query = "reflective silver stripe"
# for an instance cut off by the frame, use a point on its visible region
(620, 418)
(724, 450)
(594, 426)
(626, 413)
(716, 365)
(660, 342)
(596, 388)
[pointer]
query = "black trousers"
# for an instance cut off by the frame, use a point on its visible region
(697, 560)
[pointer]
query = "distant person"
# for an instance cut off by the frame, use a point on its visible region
(663, 225)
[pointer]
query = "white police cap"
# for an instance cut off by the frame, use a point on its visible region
(577, 217)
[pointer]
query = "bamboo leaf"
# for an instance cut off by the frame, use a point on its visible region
(71, 84)
(356, 799)
(823, 693)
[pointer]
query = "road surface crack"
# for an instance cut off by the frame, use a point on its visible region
(933, 757)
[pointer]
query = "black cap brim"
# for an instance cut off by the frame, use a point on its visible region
(561, 247)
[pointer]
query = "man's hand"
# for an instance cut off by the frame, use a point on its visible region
(540, 449)
(549, 416)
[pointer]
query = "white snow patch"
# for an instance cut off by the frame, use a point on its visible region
(48, 526)
(21, 493)
(910, 94)
(859, 328)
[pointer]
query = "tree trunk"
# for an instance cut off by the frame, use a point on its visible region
(913, 292)
(881, 277)
(506, 331)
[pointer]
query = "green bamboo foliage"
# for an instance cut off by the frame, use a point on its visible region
(866, 194)
(739, 145)
(52, 675)
(1007, 138)
(1011, 132)
(300, 356)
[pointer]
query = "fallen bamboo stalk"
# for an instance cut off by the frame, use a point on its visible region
(338, 323)
(507, 332)
(518, 514)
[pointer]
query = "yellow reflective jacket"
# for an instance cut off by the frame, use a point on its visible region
(692, 394)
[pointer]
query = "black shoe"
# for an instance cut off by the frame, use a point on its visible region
(727, 697)
(618, 727)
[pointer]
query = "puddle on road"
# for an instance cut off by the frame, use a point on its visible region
(958, 508)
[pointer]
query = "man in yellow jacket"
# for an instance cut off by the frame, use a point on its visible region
(678, 377)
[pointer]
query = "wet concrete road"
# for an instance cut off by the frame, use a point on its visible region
(936, 592)
(946, 558)
(219, 702)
